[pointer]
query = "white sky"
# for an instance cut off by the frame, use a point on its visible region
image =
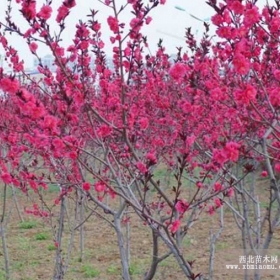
(166, 19)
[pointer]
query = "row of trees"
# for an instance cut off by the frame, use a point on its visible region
(210, 117)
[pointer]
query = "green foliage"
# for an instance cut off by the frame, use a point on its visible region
(27, 225)
(53, 188)
(90, 272)
(112, 270)
(24, 243)
(222, 245)
(2, 275)
(42, 236)
(135, 269)
(51, 247)
(19, 266)
(265, 205)
(187, 241)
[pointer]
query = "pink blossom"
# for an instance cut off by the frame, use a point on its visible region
(84, 45)
(182, 206)
(277, 167)
(148, 20)
(33, 47)
(144, 123)
(230, 192)
(178, 71)
(113, 24)
(7, 178)
(217, 19)
(218, 202)
(96, 27)
(142, 167)
(136, 24)
(232, 151)
(211, 210)
(152, 158)
(50, 122)
(29, 9)
(63, 12)
(241, 64)
(9, 85)
(99, 187)
(104, 131)
(247, 95)
(69, 3)
(217, 187)
(45, 12)
(86, 186)
(236, 7)
(251, 16)
(276, 74)
(219, 157)
(175, 226)
(225, 32)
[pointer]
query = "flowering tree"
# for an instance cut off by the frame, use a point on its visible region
(210, 117)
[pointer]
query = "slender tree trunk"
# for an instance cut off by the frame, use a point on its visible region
(5, 251)
(16, 203)
(82, 232)
(152, 271)
(124, 260)
(127, 228)
(3, 236)
(59, 270)
(179, 257)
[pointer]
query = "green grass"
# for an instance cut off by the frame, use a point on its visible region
(222, 245)
(135, 269)
(113, 270)
(27, 225)
(41, 236)
(51, 247)
(265, 205)
(187, 241)
(53, 188)
(90, 272)
(24, 243)
(2, 275)
(19, 266)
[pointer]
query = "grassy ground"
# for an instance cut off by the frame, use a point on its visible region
(32, 251)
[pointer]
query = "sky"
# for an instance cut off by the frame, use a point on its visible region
(168, 23)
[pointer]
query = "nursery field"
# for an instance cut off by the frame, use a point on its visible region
(32, 249)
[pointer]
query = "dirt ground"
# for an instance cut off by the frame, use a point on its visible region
(32, 251)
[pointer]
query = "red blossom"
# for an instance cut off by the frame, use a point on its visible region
(251, 16)
(29, 9)
(113, 24)
(211, 210)
(6, 178)
(236, 7)
(33, 47)
(99, 187)
(63, 12)
(175, 226)
(182, 206)
(178, 71)
(86, 186)
(142, 167)
(218, 202)
(241, 64)
(45, 12)
(9, 85)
